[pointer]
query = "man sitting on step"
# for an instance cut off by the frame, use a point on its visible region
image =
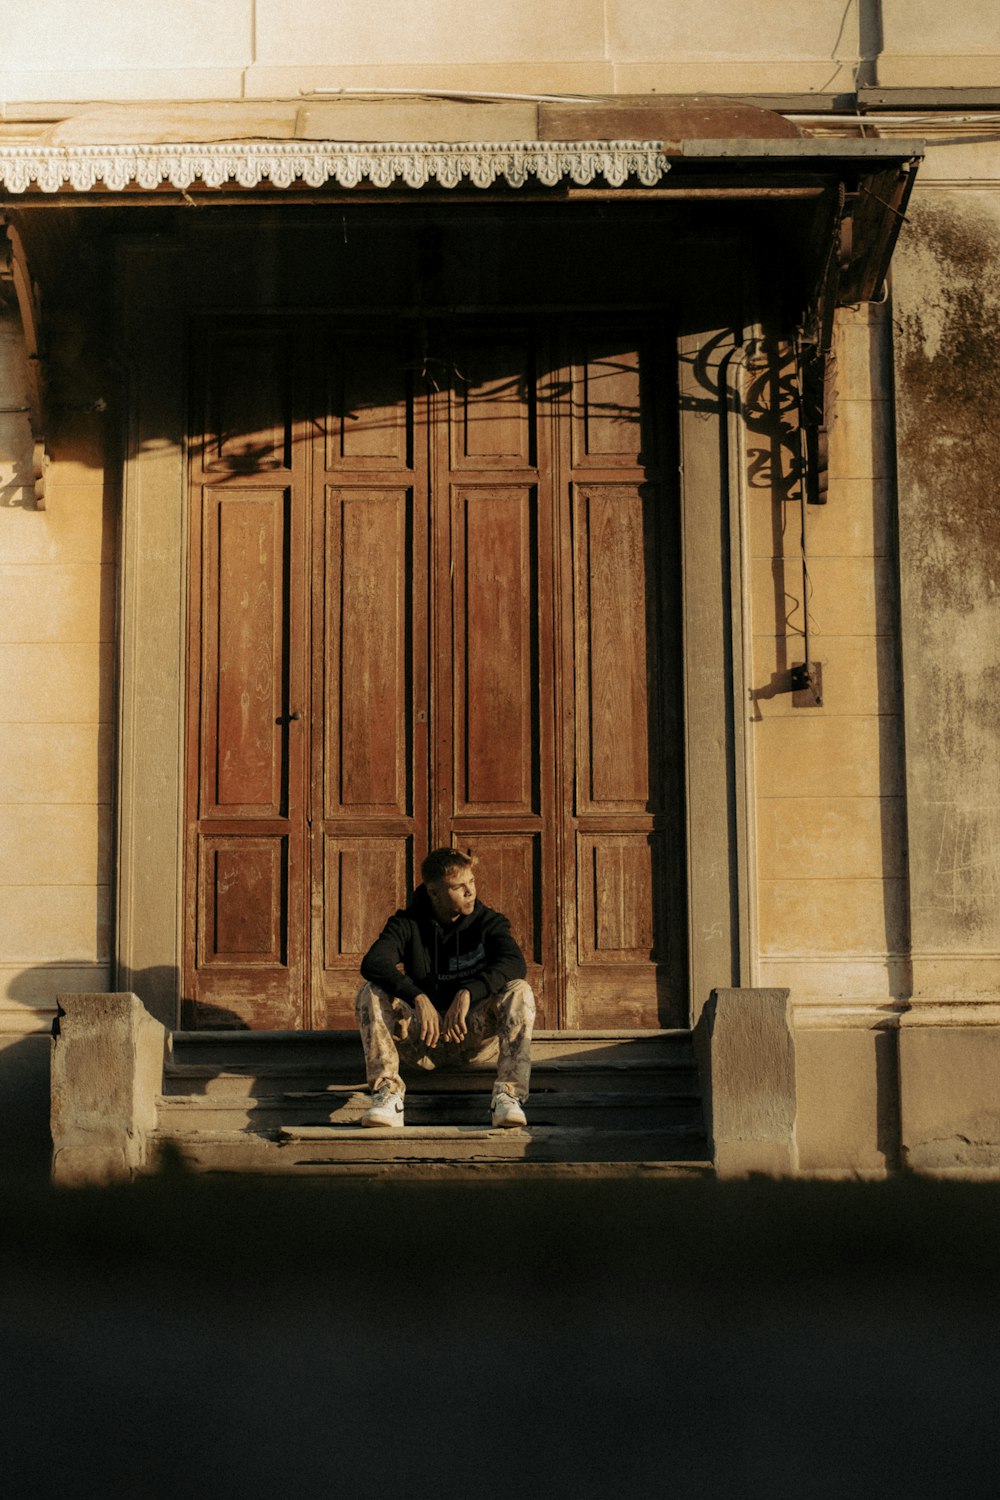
(445, 985)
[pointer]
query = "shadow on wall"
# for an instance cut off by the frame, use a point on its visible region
(25, 1140)
(157, 987)
(78, 425)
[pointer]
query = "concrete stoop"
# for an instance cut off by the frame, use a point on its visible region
(602, 1103)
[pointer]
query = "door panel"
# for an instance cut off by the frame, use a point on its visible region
(369, 402)
(365, 879)
(508, 878)
(623, 956)
(367, 709)
(608, 431)
(242, 901)
(491, 417)
(248, 406)
(496, 667)
(244, 895)
(493, 661)
(615, 898)
(433, 602)
(243, 624)
(370, 696)
(615, 655)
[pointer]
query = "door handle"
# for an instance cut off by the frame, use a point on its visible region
(288, 718)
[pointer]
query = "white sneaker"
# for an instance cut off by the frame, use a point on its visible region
(505, 1111)
(386, 1110)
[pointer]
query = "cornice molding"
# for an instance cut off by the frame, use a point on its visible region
(315, 164)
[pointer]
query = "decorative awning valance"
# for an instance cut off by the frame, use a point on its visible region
(54, 169)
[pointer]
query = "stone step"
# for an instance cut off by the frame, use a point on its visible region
(242, 1050)
(223, 1159)
(624, 1110)
(668, 1076)
(247, 1101)
(331, 1147)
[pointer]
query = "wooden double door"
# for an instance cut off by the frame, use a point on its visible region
(433, 593)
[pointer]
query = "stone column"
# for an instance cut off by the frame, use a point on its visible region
(107, 1072)
(746, 1039)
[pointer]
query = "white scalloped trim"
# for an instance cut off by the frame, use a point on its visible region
(315, 164)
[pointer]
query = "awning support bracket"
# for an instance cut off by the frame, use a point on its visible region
(15, 277)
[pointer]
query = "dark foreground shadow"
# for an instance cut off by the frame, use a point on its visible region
(326, 1338)
(25, 1142)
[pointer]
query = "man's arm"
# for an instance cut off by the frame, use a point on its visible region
(380, 964)
(504, 961)
(453, 1027)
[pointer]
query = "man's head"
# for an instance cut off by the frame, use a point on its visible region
(450, 882)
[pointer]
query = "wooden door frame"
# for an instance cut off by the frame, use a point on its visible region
(153, 590)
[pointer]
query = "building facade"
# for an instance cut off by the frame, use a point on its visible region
(566, 434)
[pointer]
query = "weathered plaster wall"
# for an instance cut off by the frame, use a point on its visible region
(56, 711)
(231, 49)
(830, 832)
(830, 845)
(947, 304)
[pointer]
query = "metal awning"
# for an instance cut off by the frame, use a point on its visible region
(860, 187)
(826, 211)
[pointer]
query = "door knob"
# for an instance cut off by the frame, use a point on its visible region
(287, 718)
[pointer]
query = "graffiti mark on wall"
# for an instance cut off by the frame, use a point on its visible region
(967, 868)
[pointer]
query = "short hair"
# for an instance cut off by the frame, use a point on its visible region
(440, 862)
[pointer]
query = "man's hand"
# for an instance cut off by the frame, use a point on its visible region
(453, 1027)
(430, 1021)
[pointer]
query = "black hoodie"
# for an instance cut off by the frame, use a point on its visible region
(477, 953)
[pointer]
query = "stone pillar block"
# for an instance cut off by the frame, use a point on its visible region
(750, 1052)
(949, 1087)
(107, 1071)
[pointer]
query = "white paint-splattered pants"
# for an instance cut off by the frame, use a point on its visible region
(500, 1026)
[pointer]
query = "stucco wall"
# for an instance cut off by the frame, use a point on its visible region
(56, 710)
(928, 45)
(829, 779)
(829, 810)
(232, 49)
(229, 49)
